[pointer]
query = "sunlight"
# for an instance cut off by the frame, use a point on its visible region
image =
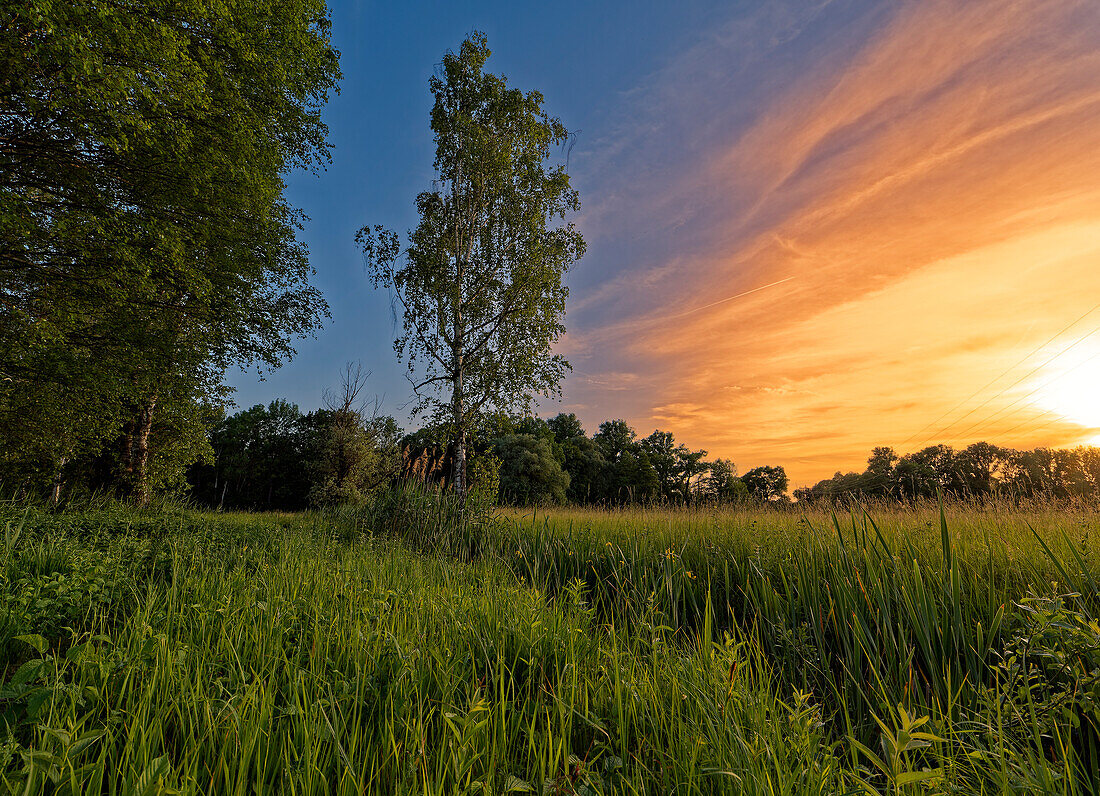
(1073, 391)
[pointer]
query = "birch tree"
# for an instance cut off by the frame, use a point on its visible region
(479, 284)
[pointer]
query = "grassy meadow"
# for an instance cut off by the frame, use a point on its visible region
(399, 649)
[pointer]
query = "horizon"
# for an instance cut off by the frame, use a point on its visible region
(811, 231)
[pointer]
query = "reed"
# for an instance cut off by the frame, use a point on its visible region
(412, 647)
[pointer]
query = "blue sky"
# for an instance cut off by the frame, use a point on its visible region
(813, 226)
(582, 56)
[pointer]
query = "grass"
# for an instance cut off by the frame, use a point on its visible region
(396, 650)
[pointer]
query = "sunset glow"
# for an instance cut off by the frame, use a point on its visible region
(874, 242)
(1073, 393)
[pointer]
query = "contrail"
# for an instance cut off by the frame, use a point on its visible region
(728, 298)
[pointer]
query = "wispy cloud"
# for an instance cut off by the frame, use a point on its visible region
(916, 184)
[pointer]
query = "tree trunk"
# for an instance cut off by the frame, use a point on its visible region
(135, 453)
(458, 408)
(458, 476)
(58, 480)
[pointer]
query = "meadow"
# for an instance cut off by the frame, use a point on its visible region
(400, 648)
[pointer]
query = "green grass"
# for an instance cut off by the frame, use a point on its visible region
(396, 650)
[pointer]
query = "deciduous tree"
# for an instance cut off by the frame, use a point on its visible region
(479, 285)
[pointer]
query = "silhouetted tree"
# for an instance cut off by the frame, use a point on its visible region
(766, 484)
(722, 484)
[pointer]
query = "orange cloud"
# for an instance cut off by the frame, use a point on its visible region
(919, 198)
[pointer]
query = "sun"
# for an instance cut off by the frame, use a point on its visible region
(1073, 391)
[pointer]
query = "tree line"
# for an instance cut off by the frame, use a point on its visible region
(278, 457)
(146, 244)
(979, 470)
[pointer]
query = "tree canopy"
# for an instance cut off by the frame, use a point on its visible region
(145, 241)
(479, 285)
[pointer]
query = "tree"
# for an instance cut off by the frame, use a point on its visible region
(722, 484)
(615, 438)
(766, 484)
(529, 472)
(262, 459)
(661, 449)
(929, 470)
(565, 427)
(358, 448)
(630, 478)
(145, 243)
(480, 284)
(879, 477)
(690, 468)
(585, 465)
(981, 466)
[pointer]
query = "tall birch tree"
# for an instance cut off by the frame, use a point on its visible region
(479, 285)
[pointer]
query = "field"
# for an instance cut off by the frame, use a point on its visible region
(394, 649)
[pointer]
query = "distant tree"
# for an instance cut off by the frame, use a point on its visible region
(766, 484)
(1090, 464)
(981, 467)
(1070, 477)
(358, 449)
(722, 484)
(880, 477)
(630, 478)
(480, 284)
(529, 472)
(615, 438)
(660, 446)
(586, 466)
(565, 427)
(535, 426)
(690, 468)
(262, 460)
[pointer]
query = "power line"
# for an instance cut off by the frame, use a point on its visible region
(1030, 420)
(1039, 348)
(1031, 372)
(1040, 388)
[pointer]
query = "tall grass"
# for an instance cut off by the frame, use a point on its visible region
(413, 647)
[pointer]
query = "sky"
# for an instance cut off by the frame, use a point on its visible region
(813, 226)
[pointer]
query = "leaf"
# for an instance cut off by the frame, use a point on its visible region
(150, 778)
(35, 641)
(612, 763)
(881, 766)
(27, 672)
(84, 741)
(76, 653)
(514, 784)
(909, 777)
(35, 700)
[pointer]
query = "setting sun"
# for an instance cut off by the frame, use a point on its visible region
(1073, 392)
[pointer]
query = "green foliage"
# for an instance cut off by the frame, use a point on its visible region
(357, 455)
(145, 240)
(480, 283)
(279, 458)
(1047, 689)
(980, 470)
(530, 475)
(635, 652)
